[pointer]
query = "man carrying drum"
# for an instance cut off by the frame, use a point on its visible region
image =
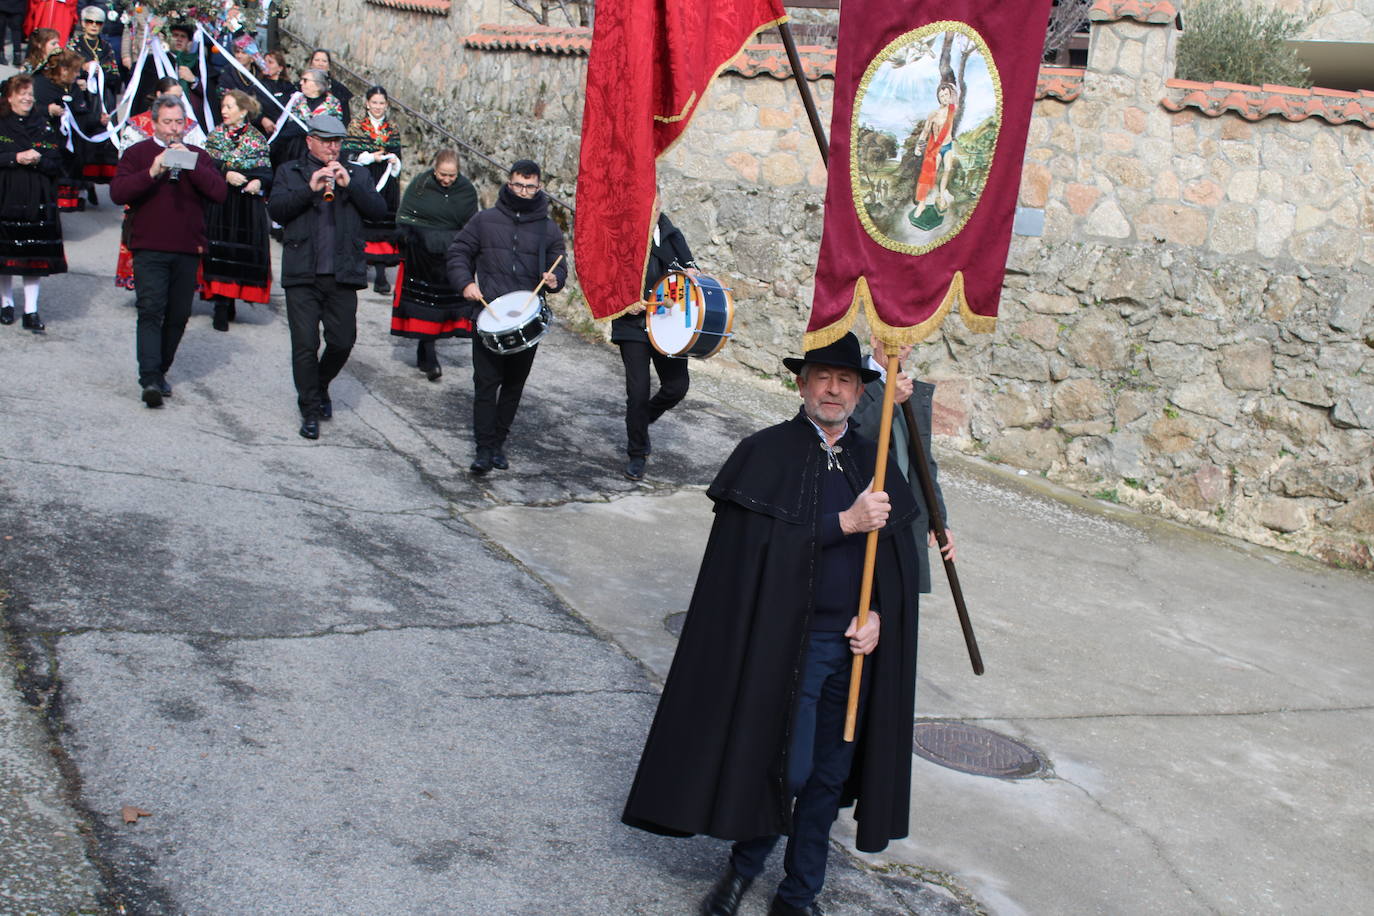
(511, 247)
(668, 252)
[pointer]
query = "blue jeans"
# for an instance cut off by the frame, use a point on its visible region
(817, 766)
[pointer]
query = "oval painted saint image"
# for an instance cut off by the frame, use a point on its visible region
(924, 133)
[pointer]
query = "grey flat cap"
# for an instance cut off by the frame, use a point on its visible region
(327, 127)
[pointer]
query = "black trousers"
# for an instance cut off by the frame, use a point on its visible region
(497, 382)
(323, 303)
(13, 24)
(640, 409)
(164, 282)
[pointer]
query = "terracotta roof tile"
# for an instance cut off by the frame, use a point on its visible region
(1254, 103)
(1160, 12)
(1063, 83)
(437, 7)
(771, 59)
(546, 38)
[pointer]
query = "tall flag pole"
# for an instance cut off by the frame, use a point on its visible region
(927, 136)
(651, 63)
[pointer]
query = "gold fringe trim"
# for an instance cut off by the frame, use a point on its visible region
(686, 110)
(891, 335)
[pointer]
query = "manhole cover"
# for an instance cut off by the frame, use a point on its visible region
(673, 623)
(970, 749)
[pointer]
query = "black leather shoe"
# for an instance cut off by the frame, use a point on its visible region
(6, 314)
(725, 896)
(220, 321)
(433, 373)
(482, 463)
(498, 460)
(381, 287)
(326, 409)
(634, 470)
(152, 395)
(781, 907)
(33, 323)
(165, 388)
(310, 429)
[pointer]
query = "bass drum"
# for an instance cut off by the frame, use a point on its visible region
(689, 316)
(514, 322)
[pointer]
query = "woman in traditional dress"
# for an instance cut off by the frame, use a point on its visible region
(320, 59)
(30, 225)
(314, 100)
(238, 256)
(100, 68)
(375, 142)
(56, 89)
(277, 81)
(43, 44)
(436, 205)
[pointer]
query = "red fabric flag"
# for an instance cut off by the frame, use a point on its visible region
(928, 131)
(651, 62)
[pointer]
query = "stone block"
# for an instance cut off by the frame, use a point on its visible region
(1084, 428)
(952, 406)
(776, 119)
(1108, 221)
(1023, 363)
(1174, 223)
(1034, 449)
(1133, 119)
(1206, 396)
(1281, 297)
(1125, 454)
(1233, 127)
(1204, 193)
(744, 164)
(1035, 185)
(1173, 435)
(1309, 217)
(1131, 406)
(1302, 425)
(1126, 171)
(1303, 478)
(1172, 362)
(1203, 490)
(765, 92)
(1129, 274)
(1348, 313)
(1099, 342)
(1233, 229)
(1276, 221)
(1357, 515)
(1327, 246)
(781, 169)
(1356, 411)
(1279, 514)
(1307, 391)
(1018, 406)
(1244, 186)
(1041, 331)
(1186, 330)
(1079, 399)
(1247, 366)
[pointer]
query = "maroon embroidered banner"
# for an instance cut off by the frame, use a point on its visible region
(651, 62)
(932, 105)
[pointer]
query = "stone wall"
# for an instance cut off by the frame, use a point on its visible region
(1192, 332)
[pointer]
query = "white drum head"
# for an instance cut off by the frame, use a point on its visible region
(508, 312)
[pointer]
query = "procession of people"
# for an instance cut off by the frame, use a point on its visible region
(746, 745)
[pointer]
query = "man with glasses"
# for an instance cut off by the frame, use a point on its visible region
(320, 203)
(166, 230)
(507, 248)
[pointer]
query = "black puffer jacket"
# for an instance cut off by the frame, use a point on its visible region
(508, 247)
(294, 205)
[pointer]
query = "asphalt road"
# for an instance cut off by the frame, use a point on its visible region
(345, 677)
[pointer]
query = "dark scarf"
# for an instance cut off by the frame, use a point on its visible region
(522, 205)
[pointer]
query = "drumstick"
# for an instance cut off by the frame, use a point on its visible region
(552, 266)
(487, 305)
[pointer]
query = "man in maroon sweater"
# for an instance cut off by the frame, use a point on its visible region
(166, 226)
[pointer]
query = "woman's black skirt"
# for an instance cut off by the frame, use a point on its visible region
(238, 256)
(30, 225)
(381, 243)
(424, 306)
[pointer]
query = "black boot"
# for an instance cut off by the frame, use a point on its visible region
(6, 314)
(381, 286)
(233, 311)
(34, 323)
(781, 907)
(725, 896)
(220, 321)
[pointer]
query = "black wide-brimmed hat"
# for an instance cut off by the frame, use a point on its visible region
(843, 353)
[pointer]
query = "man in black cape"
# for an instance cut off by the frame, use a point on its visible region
(748, 741)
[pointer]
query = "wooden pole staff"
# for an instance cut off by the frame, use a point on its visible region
(794, 60)
(552, 267)
(871, 544)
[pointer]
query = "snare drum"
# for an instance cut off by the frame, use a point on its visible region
(514, 322)
(689, 316)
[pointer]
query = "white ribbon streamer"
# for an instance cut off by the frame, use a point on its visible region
(286, 109)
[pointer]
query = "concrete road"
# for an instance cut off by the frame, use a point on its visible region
(345, 677)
